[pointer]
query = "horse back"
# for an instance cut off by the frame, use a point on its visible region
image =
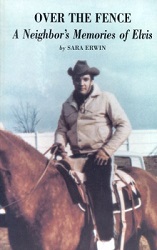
(147, 185)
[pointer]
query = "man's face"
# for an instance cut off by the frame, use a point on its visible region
(82, 84)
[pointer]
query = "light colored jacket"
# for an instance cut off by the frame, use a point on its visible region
(91, 127)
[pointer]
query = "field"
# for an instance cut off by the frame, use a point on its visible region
(151, 166)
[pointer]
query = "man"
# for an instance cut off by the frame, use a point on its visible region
(87, 121)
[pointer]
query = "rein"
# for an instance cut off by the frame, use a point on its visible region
(37, 183)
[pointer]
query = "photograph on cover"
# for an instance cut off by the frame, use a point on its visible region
(78, 127)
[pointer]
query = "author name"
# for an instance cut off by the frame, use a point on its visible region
(80, 47)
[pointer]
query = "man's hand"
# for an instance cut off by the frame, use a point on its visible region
(58, 149)
(101, 157)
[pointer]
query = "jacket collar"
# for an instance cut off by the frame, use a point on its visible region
(96, 91)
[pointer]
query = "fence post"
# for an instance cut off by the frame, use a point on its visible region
(128, 145)
(36, 139)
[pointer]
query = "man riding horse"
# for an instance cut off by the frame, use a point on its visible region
(86, 122)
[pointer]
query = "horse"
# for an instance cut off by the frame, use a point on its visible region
(40, 213)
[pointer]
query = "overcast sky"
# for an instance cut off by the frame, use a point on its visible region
(36, 71)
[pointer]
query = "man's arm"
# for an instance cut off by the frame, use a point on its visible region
(121, 124)
(61, 131)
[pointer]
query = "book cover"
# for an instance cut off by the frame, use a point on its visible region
(40, 40)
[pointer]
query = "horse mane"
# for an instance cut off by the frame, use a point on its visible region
(19, 144)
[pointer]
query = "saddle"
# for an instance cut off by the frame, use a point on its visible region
(123, 185)
(125, 195)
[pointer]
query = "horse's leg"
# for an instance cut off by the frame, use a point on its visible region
(149, 226)
(152, 239)
(133, 243)
(87, 241)
(20, 241)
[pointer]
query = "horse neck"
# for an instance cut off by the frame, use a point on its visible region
(23, 167)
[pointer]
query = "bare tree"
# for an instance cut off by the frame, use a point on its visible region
(26, 118)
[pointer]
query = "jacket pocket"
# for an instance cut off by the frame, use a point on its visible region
(104, 133)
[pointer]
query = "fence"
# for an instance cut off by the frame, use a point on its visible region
(140, 141)
(144, 142)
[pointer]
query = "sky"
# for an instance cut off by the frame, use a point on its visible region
(35, 72)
